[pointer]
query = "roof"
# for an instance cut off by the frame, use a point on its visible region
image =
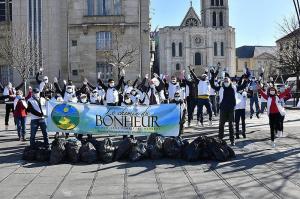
(254, 51)
(295, 32)
(191, 14)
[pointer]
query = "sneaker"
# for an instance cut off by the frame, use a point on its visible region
(210, 123)
(237, 136)
(257, 115)
(200, 124)
(251, 116)
(273, 144)
(278, 134)
(189, 124)
(233, 143)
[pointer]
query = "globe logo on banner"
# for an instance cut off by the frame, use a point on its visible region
(65, 116)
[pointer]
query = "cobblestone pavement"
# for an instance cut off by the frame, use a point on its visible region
(259, 171)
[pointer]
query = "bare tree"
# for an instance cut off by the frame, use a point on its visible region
(21, 52)
(288, 53)
(122, 55)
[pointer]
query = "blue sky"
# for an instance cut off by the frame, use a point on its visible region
(255, 21)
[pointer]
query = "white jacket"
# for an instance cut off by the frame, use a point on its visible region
(204, 88)
(112, 95)
(36, 107)
(241, 100)
(173, 88)
(278, 104)
(6, 92)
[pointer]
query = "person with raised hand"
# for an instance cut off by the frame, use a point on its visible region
(45, 87)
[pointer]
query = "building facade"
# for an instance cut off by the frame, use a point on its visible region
(258, 59)
(6, 72)
(75, 36)
(201, 42)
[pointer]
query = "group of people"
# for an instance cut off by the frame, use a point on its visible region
(226, 96)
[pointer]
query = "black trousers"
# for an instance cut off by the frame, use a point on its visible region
(226, 116)
(8, 109)
(240, 114)
(191, 104)
(280, 128)
(274, 121)
(212, 99)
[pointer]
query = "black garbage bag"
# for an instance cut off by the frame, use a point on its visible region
(191, 152)
(124, 148)
(173, 147)
(88, 153)
(219, 149)
(138, 152)
(29, 153)
(204, 151)
(43, 154)
(72, 150)
(155, 146)
(231, 152)
(58, 151)
(106, 151)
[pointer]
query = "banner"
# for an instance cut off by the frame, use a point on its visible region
(113, 120)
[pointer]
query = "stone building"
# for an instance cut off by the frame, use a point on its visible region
(6, 72)
(75, 35)
(257, 59)
(201, 42)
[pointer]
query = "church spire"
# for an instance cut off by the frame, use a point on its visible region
(191, 2)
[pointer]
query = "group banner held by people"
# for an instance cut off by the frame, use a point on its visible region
(113, 120)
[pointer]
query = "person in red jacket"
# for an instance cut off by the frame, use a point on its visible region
(274, 107)
(20, 114)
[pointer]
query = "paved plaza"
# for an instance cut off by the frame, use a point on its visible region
(258, 171)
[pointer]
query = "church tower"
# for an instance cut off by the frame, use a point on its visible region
(215, 13)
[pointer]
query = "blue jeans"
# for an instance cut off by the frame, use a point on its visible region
(253, 100)
(34, 126)
(200, 104)
(21, 126)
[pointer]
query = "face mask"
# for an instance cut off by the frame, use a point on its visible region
(59, 99)
(111, 84)
(272, 92)
(46, 81)
(19, 97)
(69, 90)
(83, 100)
(226, 84)
(177, 99)
(9, 85)
(84, 83)
(234, 83)
(127, 101)
(173, 81)
(133, 93)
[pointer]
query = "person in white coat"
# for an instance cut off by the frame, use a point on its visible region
(240, 113)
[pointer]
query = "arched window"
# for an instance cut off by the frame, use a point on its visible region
(215, 49)
(180, 49)
(198, 59)
(221, 3)
(177, 66)
(217, 2)
(222, 48)
(173, 49)
(214, 19)
(212, 2)
(221, 18)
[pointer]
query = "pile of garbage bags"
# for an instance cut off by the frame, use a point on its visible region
(156, 147)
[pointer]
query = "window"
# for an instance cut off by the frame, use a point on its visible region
(105, 69)
(222, 48)
(177, 66)
(215, 49)
(180, 49)
(212, 2)
(5, 14)
(90, 7)
(6, 74)
(117, 7)
(217, 2)
(74, 72)
(214, 19)
(221, 3)
(104, 41)
(173, 49)
(74, 42)
(197, 59)
(221, 18)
